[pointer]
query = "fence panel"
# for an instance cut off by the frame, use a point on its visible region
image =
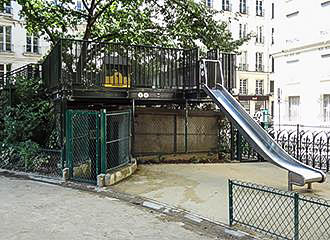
(46, 162)
(308, 146)
(118, 139)
(314, 215)
(83, 145)
(279, 214)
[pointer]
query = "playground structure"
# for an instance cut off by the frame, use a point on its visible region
(87, 78)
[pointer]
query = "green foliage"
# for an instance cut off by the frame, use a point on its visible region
(176, 23)
(30, 117)
(26, 126)
(24, 156)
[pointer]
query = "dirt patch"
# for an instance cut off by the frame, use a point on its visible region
(185, 158)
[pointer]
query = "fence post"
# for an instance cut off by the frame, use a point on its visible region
(186, 129)
(68, 139)
(296, 216)
(103, 141)
(297, 142)
(230, 194)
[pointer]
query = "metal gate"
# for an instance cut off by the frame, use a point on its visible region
(83, 145)
(97, 142)
(118, 139)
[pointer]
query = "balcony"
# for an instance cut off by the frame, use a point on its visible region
(260, 68)
(243, 67)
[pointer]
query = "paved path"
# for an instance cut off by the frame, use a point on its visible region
(203, 188)
(34, 210)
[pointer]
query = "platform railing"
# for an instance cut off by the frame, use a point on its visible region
(29, 70)
(81, 64)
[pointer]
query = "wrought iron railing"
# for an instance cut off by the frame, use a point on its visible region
(86, 64)
(309, 146)
(279, 214)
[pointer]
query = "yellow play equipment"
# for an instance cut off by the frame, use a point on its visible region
(117, 80)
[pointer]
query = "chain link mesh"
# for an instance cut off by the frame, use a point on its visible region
(202, 133)
(47, 162)
(118, 136)
(171, 131)
(85, 145)
(279, 214)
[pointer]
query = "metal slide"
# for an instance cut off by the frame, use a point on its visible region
(299, 173)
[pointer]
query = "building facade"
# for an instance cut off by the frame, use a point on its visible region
(17, 47)
(302, 60)
(255, 86)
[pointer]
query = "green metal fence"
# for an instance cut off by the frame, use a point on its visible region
(279, 214)
(118, 139)
(97, 142)
(45, 162)
(82, 149)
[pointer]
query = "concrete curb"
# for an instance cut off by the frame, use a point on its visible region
(190, 220)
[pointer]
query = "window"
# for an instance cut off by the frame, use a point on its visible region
(242, 30)
(273, 64)
(273, 10)
(209, 3)
(226, 5)
(326, 108)
(242, 6)
(271, 87)
(259, 87)
(5, 68)
(245, 105)
(7, 8)
(243, 88)
(273, 31)
(32, 44)
(259, 62)
(259, 8)
(243, 66)
(259, 105)
(5, 39)
(81, 7)
(294, 103)
(260, 35)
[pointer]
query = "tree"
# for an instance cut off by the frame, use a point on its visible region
(176, 23)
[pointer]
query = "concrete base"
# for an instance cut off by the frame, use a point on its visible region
(120, 174)
(65, 174)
